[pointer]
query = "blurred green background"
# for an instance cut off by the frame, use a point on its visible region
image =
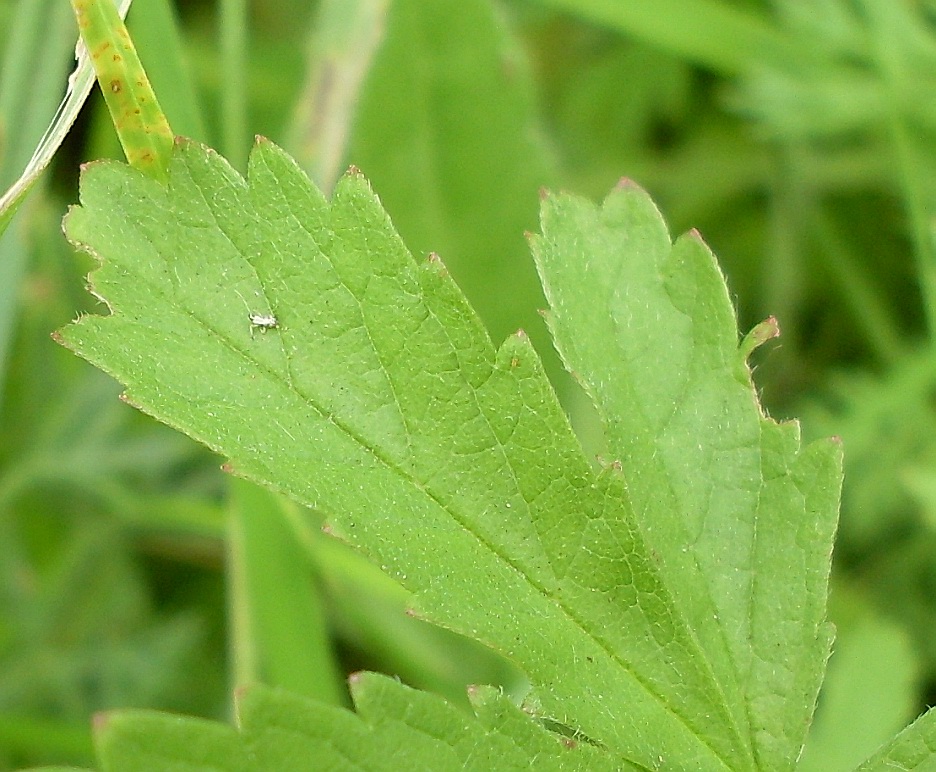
(797, 137)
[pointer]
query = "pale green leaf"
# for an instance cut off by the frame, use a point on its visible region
(870, 693)
(913, 749)
(739, 517)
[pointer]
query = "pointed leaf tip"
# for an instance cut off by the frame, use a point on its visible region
(626, 183)
(762, 332)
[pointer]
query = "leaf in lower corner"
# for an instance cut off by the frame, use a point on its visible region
(397, 728)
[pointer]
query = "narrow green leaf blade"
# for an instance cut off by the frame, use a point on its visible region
(28, 86)
(719, 35)
(278, 631)
(378, 399)
(738, 514)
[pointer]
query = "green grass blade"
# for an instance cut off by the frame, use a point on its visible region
(715, 34)
(280, 636)
(892, 27)
(233, 32)
(34, 69)
(34, 24)
(140, 123)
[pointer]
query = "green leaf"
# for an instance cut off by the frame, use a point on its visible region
(739, 517)
(143, 740)
(396, 727)
(911, 749)
(694, 640)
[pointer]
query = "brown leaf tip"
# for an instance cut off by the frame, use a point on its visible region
(772, 326)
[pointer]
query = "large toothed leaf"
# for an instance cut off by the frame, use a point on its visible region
(740, 517)
(371, 392)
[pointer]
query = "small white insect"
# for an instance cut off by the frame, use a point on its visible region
(262, 322)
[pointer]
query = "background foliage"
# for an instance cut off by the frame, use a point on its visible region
(794, 137)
